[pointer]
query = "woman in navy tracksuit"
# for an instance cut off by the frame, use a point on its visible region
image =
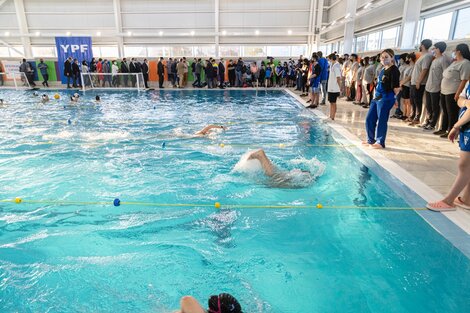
(385, 97)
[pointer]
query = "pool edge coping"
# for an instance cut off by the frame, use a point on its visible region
(454, 226)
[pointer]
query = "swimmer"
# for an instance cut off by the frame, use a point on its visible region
(223, 303)
(44, 98)
(35, 94)
(281, 179)
(75, 97)
(2, 102)
(206, 130)
(97, 98)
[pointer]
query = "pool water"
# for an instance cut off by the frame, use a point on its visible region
(59, 257)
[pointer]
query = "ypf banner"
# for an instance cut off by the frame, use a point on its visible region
(76, 47)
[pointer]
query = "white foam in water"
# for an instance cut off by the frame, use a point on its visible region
(313, 165)
(62, 135)
(247, 166)
(93, 136)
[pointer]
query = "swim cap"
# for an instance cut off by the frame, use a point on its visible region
(224, 303)
(35, 93)
(76, 95)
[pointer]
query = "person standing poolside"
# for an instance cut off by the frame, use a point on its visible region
(145, 73)
(160, 72)
(334, 84)
(221, 73)
(453, 82)
(68, 70)
(433, 85)
(180, 74)
(462, 183)
(43, 69)
(323, 76)
(231, 73)
(388, 87)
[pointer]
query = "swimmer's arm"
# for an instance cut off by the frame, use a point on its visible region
(206, 129)
(268, 167)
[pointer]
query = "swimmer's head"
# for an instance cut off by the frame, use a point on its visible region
(35, 94)
(97, 98)
(76, 95)
(224, 303)
(1, 101)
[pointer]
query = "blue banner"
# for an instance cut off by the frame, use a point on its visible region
(76, 47)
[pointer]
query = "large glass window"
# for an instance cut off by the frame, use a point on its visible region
(373, 42)
(462, 26)
(133, 51)
(300, 50)
(278, 51)
(254, 51)
(437, 27)
(4, 52)
(229, 51)
(361, 43)
(110, 52)
(204, 51)
(13, 53)
(156, 52)
(389, 38)
(182, 51)
(47, 52)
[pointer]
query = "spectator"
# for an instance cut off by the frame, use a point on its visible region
(185, 72)
(433, 85)
(86, 75)
(67, 70)
(107, 73)
(132, 70)
(174, 63)
(418, 80)
(43, 68)
(125, 70)
(352, 75)
(160, 72)
(231, 73)
(239, 72)
(221, 73)
(76, 74)
(334, 84)
(385, 97)
(198, 70)
(453, 82)
(358, 81)
(254, 74)
(145, 73)
(180, 74)
(115, 71)
(324, 75)
(209, 72)
(405, 85)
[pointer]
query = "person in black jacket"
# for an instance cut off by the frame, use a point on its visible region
(388, 86)
(160, 72)
(76, 73)
(209, 71)
(68, 70)
(145, 73)
(221, 73)
(132, 69)
(124, 69)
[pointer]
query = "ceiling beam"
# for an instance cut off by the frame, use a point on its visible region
(118, 25)
(23, 26)
(6, 44)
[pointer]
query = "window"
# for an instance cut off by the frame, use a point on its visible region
(300, 50)
(437, 27)
(373, 41)
(39, 52)
(204, 51)
(252, 51)
(109, 51)
(278, 51)
(229, 51)
(389, 38)
(156, 52)
(321, 48)
(181, 51)
(340, 47)
(133, 51)
(361, 44)
(462, 27)
(13, 53)
(4, 52)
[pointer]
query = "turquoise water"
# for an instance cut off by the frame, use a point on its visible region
(136, 258)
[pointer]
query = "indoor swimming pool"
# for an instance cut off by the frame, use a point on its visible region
(340, 239)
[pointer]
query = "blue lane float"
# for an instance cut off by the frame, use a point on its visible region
(117, 202)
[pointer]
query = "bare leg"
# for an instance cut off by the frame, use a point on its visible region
(462, 181)
(259, 155)
(332, 111)
(190, 305)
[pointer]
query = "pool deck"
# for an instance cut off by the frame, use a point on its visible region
(424, 162)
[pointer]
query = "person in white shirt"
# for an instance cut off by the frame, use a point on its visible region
(334, 84)
(115, 71)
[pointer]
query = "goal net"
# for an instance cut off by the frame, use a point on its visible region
(17, 80)
(112, 81)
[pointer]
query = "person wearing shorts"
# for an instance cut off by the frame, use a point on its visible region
(462, 182)
(334, 84)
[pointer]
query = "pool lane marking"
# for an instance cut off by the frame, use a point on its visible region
(229, 206)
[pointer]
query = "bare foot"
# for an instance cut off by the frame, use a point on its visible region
(255, 154)
(377, 146)
(365, 143)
